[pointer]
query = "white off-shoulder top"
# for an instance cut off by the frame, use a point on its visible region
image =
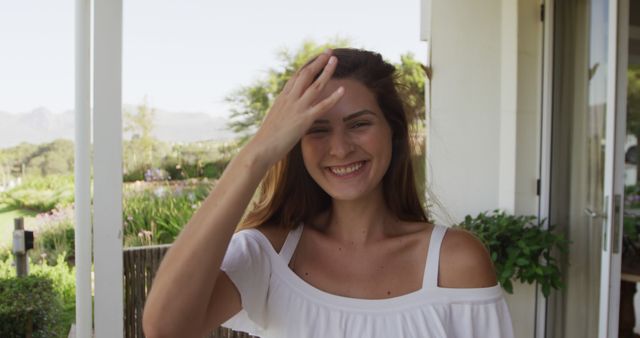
(278, 303)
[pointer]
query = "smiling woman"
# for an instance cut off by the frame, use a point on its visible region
(347, 154)
(337, 243)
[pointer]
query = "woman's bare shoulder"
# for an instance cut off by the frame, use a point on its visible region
(464, 261)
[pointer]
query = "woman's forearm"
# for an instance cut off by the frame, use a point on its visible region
(183, 287)
(184, 282)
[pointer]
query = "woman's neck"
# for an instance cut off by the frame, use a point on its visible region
(361, 221)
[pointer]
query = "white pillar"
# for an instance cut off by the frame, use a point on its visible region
(484, 122)
(507, 128)
(464, 123)
(83, 167)
(107, 232)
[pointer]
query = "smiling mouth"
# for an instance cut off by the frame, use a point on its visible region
(348, 169)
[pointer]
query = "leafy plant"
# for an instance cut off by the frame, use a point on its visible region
(63, 278)
(41, 194)
(54, 235)
(520, 248)
(29, 299)
(60, 277)
(155, 213)
(178, 161)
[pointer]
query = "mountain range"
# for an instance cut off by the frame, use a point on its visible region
(40, 125)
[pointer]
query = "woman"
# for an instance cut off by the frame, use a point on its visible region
(337, 243)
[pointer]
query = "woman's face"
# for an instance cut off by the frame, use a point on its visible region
(348, 150)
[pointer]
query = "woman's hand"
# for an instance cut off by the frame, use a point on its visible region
(295, 109)
(173, 310)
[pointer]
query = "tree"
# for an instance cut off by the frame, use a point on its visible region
(53, 158)
(251, 103)
(412, 75)
(139, 150)
(14, 159)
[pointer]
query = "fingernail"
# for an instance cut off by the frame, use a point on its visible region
(327, 51)
(332, 59)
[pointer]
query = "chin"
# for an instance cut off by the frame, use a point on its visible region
(349, 196)
(345, 197)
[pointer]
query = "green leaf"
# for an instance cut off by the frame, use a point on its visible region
(517, 245)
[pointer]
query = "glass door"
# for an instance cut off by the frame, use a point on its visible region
(586, 185)
(628, 275)
(614, 166)
(599, 141)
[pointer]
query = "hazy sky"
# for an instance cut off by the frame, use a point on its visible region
(188, 55)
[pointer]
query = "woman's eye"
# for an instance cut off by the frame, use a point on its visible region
(360, 124)
(317, 130)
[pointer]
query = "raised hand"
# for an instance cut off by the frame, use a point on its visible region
(173, 310)
(295, 108)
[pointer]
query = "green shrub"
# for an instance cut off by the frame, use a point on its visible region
(41, 194)
(29, 299)
(133, 175)
(192, 170)
(62, 279)
(155, 213)
(172, 167)
(56, 241)
(214, 169)
(184, 171)
(6, 263)
(54, 235)
(517, 245)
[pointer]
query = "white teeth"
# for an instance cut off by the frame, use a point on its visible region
(340, 171)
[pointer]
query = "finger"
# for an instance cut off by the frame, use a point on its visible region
(287, 87)
(326, 104)
(318, 85)
(308, 73)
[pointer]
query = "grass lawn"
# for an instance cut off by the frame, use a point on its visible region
(7, 214)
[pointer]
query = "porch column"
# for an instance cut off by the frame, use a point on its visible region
(484, 123)
(107, 201)
(82, 167)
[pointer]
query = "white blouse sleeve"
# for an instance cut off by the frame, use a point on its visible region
(481, 320)
(247, 264)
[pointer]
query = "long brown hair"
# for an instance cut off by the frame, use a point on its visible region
(289, 196)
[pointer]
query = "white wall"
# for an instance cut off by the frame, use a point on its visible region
(463, 135)
(529, 103)
(484, 124)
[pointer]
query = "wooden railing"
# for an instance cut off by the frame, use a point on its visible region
(140, 266)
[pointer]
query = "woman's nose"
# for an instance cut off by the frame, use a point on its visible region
(340, 145)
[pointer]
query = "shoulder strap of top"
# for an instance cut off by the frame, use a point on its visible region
(430, 279)
(291, 243)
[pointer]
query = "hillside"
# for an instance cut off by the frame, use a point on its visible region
(41, 125)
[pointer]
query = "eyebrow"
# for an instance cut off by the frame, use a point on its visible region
(348, 117)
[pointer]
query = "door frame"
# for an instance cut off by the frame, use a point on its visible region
(611, 260)
(546, 110)
(610, 273)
